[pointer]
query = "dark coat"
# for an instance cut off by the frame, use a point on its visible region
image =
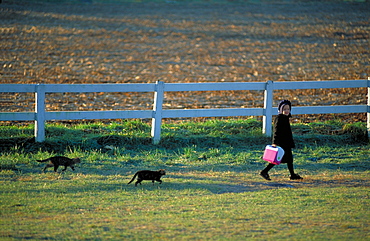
(283, 136)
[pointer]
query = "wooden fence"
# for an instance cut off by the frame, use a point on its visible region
(40, 116)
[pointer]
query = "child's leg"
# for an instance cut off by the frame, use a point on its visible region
(291, 168)
(268, 168)
(264, 172)
(293, 176)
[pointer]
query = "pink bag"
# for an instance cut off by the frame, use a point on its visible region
(273, 154)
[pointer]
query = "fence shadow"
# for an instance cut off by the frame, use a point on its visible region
(61, 145)
(61, 139)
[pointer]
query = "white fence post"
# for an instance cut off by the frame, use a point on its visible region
(40, 113)
(157, 115)
(267, 116)
(368, 106)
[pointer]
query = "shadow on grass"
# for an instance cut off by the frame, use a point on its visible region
(192, 188)
(134, 135)
(191, 173)
(60, 146)
(190, 181)
(166, 186)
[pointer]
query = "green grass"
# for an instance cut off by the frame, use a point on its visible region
(212, 190)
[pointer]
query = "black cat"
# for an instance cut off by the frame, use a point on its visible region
(57, 161)
(148, 175)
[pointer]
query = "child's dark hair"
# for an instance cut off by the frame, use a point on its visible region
(284, 102)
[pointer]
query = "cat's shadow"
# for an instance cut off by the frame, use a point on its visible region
(198, 185)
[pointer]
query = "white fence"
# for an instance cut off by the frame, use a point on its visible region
(40, 116)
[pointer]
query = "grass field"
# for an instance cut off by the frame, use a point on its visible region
(212, 190)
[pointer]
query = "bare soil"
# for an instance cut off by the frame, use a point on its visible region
(238, 41)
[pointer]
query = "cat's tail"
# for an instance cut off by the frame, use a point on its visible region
(133, 178)
(43, 160)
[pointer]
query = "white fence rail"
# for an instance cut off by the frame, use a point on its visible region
(40, 116)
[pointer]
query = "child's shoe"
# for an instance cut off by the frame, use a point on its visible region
(265, 175)
(296, 177)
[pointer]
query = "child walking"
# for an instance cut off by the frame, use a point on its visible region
(283, 137)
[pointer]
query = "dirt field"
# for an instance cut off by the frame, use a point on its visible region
(241, 41)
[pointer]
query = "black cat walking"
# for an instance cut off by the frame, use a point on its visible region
(148, 175)
(57, 161)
